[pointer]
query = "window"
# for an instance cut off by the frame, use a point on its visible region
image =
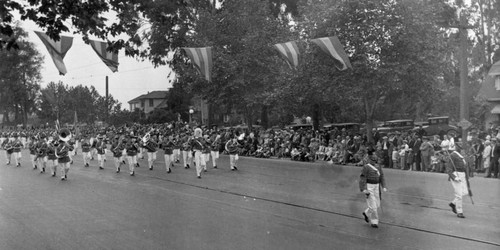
(151, 102)
(142, 103)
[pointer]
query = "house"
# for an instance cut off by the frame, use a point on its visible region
(148, 102)
(490, 91)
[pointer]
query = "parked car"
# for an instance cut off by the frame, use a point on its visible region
(300, 126)
(396, 125)
(439, 126)
(349, 126)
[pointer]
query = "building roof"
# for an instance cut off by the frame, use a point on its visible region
(488, 90)
(158, 94)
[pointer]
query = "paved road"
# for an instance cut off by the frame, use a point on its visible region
(266, 204)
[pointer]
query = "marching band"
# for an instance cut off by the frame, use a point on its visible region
(57, 150)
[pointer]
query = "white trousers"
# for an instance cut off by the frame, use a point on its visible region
(177, 154)
(206, 158)
(373, 202)
(215, 157)
(100, 159)
(169, 158)
(198, 159)
(132, 160)
(233, 161)
(460, 189)
(187, 157)
(64, 168)
(17, 157)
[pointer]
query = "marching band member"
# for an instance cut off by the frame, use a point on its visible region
(100, 147)
(150, 145)
(177, 149)
(7, 146)
(370, 182)
(51, 155)
(187, 156)
(117, 147)
(32, 148)
(72, 152)
(86, 148)
(198, 144)
(456, 168)
(232, 148)
(41, 153)
(17, 146)
(205, 152)
(168, 147)
(132, 149)
(93, 143)
(62, 152)
(214, 150)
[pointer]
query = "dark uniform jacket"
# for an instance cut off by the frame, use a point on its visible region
(370, 175)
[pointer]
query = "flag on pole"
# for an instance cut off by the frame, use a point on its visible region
(202, 60)
(57, 50)
(290, 52)
(332, 46)
(109, 58)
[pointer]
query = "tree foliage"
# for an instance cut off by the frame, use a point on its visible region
(19, 77)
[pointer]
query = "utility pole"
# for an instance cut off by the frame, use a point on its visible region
(464, 84)
(107, 102)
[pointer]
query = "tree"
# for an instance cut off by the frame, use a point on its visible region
(58, 101)
(395, 48)
(19, 78)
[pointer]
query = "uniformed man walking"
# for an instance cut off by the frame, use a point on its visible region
(456, 169)
(371, 180)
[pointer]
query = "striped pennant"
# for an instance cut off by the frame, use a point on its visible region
(109, 58)
(202, 60)
(290, 52)
(332, 46)
(57, 50)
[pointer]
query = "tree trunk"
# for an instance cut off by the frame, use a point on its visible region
(264, 117)
(315, 114)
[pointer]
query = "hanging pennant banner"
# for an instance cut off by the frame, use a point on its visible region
(332, 46)
(57, 50)
(109, 58)
(202, 60)
(290, 52)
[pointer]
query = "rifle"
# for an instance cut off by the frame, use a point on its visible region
(466, 175)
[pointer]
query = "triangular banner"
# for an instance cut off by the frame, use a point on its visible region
(202, 60)
(290, 52)
(332, 46)
(57, 50)
(109, 58)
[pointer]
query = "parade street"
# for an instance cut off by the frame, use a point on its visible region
(265, 204)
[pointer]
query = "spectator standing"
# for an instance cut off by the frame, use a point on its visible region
(426, 151)
(417, 154)
(477, 150)
(495, 155)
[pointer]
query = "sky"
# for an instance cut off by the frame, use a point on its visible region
(134, 77)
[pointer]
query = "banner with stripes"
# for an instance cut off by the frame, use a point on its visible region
(202, 60)
(290, 52)
(332, 46)
(57, 50)
(109, 58)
